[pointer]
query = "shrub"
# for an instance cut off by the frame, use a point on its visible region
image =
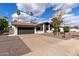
(66, 29)
(76, 27)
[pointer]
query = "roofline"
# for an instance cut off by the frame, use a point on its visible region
(25, 25)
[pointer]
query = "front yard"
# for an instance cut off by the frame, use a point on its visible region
(50, 46)
(38, 45)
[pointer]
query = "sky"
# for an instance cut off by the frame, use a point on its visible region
(7, 9)
(42, 12)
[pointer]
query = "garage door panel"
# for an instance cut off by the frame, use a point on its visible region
(25, 30)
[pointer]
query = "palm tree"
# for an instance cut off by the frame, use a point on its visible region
(14, 21)
(5, 17)
(18, 13)
(31, 14)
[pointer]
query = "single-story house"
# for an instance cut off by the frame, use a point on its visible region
(31, 28)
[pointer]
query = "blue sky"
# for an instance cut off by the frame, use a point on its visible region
(7, 9)
(43, 11)
(76, 10)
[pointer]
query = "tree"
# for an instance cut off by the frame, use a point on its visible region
(57, 20)
(14, 21)
(18, 13)
(56, 24)
(31, 14)
(3, 25)
(5, 17)
(6, 25)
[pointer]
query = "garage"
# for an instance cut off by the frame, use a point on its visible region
(25, 30)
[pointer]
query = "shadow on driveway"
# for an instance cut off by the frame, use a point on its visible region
(12, 46)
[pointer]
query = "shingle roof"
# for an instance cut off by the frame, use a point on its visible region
(26, 24)
(23, 24)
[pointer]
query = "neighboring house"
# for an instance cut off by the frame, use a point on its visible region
(30, 28)
(74, 30)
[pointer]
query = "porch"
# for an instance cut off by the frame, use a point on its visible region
(43, 28)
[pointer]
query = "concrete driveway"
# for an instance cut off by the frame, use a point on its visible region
(42, 45)
(12, 46)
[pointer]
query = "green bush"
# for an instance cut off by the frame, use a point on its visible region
(3, 25)
(66, 29)
(76, 27)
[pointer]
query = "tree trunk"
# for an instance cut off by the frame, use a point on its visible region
(64, 34)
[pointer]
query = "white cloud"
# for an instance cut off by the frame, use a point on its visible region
(39, 8)
(68, 10)
(36, 8)
(58, 6)
(67, 15)
(64, 8)
(23, 17)
(71, 20)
